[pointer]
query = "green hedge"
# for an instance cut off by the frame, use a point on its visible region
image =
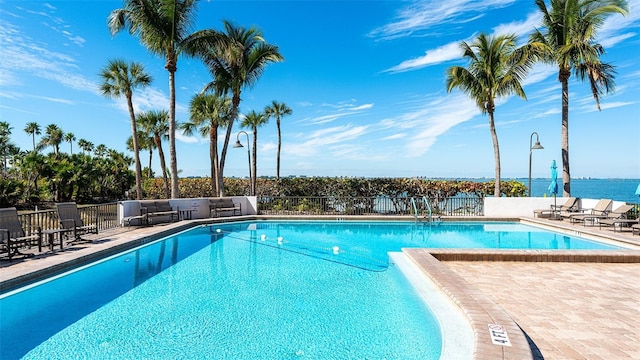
(342, 187)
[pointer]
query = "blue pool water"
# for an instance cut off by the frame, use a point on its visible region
(250, 290)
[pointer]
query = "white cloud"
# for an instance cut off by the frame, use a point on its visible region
(604, 105)
(23, 55)
(452, 51)
(539, 73)
(613, 40)
(608, 34)
(441, 54)
(324, 119)
(52, 99)
(319, 139)
(552, 111)
(429, 120)
(395, 136)
(422, 15)
(345, 108)
(361, 107)
(357, 152)
(520, 28)
(268, 147)
(186, 139)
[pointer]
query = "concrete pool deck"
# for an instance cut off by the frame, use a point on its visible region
(571, 305)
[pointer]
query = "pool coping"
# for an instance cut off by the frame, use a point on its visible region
(477, 306)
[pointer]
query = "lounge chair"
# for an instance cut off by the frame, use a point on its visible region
(618, 218)
(634, 228)
(71, 221)
(12, 235)
(619, 213)
(601, 208)
(571, 205)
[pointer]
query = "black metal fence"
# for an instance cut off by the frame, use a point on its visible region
(104, 216)
(380, 205)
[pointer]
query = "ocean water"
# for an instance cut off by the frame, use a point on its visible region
(615, 189)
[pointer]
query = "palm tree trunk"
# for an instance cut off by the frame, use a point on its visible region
(149, 173)
(136, 152)
(235, 104)
(254, 165)
(175, 190)
(496, 154)
(279, 146)
(163, 165)
(213, 156)
(566, 174)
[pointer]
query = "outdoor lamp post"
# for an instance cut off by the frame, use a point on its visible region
(239, 145)
(532, 147)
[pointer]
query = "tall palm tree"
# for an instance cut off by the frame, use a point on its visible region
(278, 110)
(156, 124)
(254, 120)
(236, 62)
(101, 150)
(568, 39)
(145, 142)
(208, 112)
(163, 26)
(70, 138)
(5, 143)
(53, 137)
(496, 69)
(85, 145)
(33, 129)
(120, 79)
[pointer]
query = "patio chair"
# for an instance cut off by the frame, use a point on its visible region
(619, 213)
(618, 218)
(601, 208)
(71, 221)
(571, 205)
(12, 235)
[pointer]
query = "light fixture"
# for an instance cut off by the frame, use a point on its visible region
(239, 145)
(532, 147)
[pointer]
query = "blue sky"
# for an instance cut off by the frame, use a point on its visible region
(365, 81)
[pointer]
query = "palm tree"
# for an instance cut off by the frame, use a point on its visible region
(155, 123)
(278, 110)
(496, 69)
(162, 26)
(101, 150)
(53, 137)
(33, 129)
(119, 79)
(208, 112)
(85, 145)
(145, 142)
(236, 62)
(70, 138)
(6, 146)
(254, 120)
(568, 40)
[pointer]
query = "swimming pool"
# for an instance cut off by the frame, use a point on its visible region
(250, 290)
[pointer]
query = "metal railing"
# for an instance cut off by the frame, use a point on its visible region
(104, 216)
(380, 205)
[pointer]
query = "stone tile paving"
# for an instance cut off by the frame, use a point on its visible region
(570, 310)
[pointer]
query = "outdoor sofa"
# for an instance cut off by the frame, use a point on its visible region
(223, 205)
